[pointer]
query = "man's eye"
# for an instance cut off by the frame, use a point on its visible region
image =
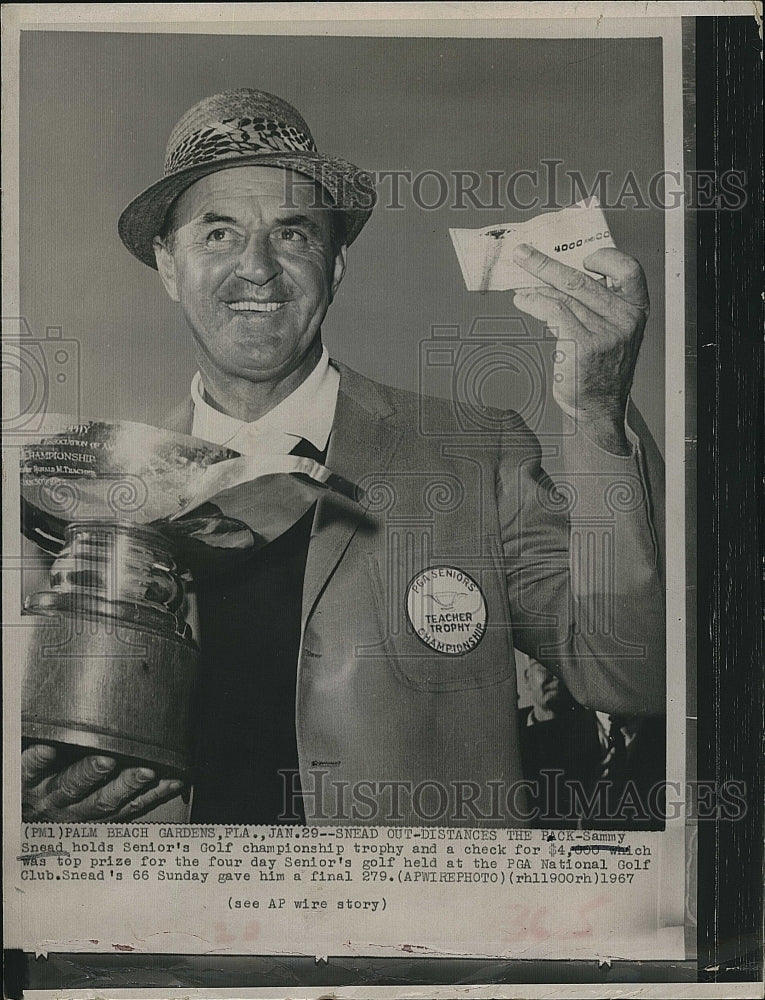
(219, 236)
(292, 235)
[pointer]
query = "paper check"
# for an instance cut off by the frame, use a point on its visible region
(486, 255)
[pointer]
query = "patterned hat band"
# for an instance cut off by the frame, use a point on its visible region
(243, 127)
(236, 137)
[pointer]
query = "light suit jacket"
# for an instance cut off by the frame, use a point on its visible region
(390, 730)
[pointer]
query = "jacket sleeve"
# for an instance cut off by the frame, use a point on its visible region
(582, 540)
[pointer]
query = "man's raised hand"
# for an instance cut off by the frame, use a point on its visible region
(606, 325)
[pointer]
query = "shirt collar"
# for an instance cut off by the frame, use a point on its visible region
(308, 412)
(629, 728)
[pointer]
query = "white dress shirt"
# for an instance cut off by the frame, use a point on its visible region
(308, 412)
(629, 729)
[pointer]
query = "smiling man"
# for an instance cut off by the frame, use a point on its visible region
(254, 280)
(354, 670)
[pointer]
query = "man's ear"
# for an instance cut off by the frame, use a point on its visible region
(166, 267)
(338, 270)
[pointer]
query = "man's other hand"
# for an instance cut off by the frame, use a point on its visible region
(91, 788)
(606, 325)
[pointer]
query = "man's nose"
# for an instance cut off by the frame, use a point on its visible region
(258, 262)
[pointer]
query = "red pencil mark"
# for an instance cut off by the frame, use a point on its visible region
(542, 923)
(251, 931)
(222, 933)
(596, 903)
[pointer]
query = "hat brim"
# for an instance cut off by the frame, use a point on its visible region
(350, 189)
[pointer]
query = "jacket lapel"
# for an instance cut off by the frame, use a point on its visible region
(363, 441)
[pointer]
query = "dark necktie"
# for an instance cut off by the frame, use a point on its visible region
(305, 449)
(615, 760)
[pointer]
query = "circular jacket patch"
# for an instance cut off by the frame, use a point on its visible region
(447, 609)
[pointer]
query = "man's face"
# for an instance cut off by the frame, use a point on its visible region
(254, 279)
(547, 691)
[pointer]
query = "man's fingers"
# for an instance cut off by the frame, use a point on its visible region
(89, 789)
(165, 789)
(109, 799)
(590, 320)
(579, 285)
(78, 780)
(618, 304)
(36, 763)
(626, 274)
(553, 312)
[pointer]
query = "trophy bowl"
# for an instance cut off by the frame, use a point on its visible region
(131, 515)
(112, 665)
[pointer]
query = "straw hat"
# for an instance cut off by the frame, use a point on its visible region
(242, 128)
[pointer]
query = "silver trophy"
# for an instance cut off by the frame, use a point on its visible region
(131, 515)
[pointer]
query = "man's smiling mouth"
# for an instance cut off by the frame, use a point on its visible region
(247, 305)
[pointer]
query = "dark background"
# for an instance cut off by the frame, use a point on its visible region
(97, 109)
(729, 322)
